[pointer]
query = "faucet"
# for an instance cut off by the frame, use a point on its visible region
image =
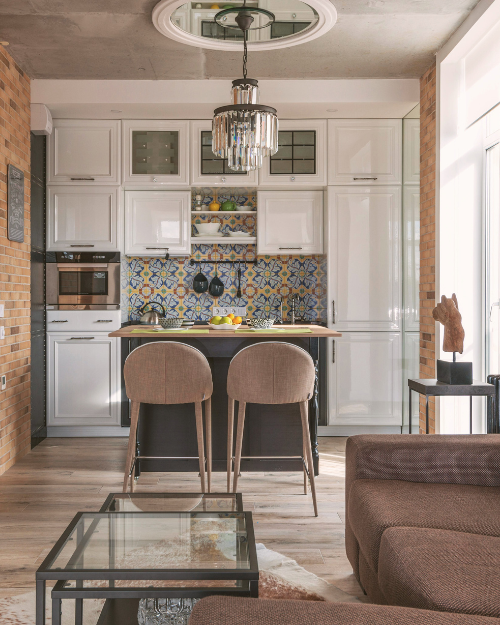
(293, 299)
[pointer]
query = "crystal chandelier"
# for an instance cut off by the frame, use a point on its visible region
(245, 131)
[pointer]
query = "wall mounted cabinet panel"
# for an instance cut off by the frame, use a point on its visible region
(156, 152)
(301, 157)
(411, 257)
(364, 260)
(210, 170)
(157, 222)
(83, 218)
(365, 379)
(411, 151)
(364, 151)
(84, 152)
(290, 222)
(83, 379)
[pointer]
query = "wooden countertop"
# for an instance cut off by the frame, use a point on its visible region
(316, 332)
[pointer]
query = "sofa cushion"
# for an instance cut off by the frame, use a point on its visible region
(440, 570)
(242, 611)
(375, 505)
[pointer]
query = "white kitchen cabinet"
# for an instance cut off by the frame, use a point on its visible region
(411, 257)
(365, 381)
(156, 152)
(157, 222)
(364, 151)
(82, 218)
(411, 365)
(83, 379)
(411, 151)
(84, 152)
(289, 222)
(301, 158)
(208, 169)
(364, 260)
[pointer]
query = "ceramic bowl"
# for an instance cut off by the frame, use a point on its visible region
(242, 207)
(211, 228)
(262, 323)
(172, 323)
(224, 326)
(187, 323)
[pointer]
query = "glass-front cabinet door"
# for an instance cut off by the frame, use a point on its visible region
(301, 156)
(156, 152)
(207, 169)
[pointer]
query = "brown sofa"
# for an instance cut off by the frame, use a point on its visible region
(423, 520)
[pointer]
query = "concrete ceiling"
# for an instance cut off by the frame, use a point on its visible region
(115, 39)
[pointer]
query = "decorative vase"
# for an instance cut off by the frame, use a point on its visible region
(214, 205)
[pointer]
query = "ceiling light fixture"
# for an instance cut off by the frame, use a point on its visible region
(245, 131)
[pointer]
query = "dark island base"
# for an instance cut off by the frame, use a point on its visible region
(270, 430)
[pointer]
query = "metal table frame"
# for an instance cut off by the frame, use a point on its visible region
(247, 578)
(433, 388)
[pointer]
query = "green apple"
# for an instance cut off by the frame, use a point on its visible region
(226, 320)
(216, 320)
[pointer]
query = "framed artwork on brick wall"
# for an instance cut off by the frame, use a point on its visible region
(15, 205)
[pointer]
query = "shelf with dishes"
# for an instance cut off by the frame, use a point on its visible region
(227, 227)
(220, 213)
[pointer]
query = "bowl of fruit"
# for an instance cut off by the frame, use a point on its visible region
(225, 323)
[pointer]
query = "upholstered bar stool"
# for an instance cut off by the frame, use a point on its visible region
(169, 373)
(270, 373)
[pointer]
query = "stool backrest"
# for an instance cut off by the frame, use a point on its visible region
(167, 373)
(271, 373)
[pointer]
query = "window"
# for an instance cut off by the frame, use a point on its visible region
(155, 152)
(212, 30)
(296, 152)
(285, 29)
(211, 164)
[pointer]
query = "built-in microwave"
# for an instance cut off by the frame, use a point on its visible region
(83, 279)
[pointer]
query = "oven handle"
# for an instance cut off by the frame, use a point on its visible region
(76, 266)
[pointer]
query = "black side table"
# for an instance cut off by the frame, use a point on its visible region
(433, 388)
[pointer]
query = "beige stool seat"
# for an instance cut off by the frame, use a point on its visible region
(169, 373)
(270, 373)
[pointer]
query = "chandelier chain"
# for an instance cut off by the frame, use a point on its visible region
(245, 53)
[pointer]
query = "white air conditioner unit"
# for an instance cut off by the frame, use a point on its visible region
(41, 120)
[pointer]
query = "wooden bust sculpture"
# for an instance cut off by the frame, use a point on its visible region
(448, 314)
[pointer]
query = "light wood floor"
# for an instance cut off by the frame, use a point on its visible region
(40, 495)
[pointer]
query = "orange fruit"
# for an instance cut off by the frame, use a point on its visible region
(231, 316)
(237, 320)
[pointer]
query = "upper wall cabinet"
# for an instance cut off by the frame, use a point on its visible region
(208, 169)
(290, 222)
(301, 156)
(155, 152)
(364, 151)
(157, 222)
(81, 217)
(411, 151)
(84, 151)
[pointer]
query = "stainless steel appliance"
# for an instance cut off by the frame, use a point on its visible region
(83, 280)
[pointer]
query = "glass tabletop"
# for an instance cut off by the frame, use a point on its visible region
(173, 502)
(153, 541)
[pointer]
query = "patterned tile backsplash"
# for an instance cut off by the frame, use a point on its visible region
(263, 286)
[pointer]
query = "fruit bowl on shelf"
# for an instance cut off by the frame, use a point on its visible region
(225, 323)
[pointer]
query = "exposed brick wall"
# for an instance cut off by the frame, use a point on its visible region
(14, 267)
(427, 235)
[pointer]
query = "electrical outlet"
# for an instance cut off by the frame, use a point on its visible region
(2, 310)
(2, 332)
(222, 311)
(4, 382)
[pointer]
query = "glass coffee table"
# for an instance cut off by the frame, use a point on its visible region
(148, 562)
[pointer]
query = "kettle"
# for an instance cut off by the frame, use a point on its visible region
(152, 317)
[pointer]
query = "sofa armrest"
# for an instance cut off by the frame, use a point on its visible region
(443, 459)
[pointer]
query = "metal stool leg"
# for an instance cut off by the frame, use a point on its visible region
(230, 429)
(201, 446)
(208, 427)
(134, 419)
(239, 442)
(427, 414)
(307, 443)
(409, 410)
(470, 416)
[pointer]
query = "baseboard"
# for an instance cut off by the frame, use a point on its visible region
(82, 431)
(352, 430)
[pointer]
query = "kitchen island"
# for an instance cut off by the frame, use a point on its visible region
(270, 430)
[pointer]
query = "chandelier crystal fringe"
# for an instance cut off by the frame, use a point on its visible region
(245, 131)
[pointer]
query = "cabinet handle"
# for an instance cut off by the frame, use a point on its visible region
(91, 179)
(59, 321)
(365, 178)
(289, 248)
(334, 312)
(292, 178)
(333, 351)
(157, 248)
(155, 179)
(86, 245)
(81, 338)
(223, 179)
(104, 321)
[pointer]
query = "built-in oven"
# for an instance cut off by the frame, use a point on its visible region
(80, 280)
